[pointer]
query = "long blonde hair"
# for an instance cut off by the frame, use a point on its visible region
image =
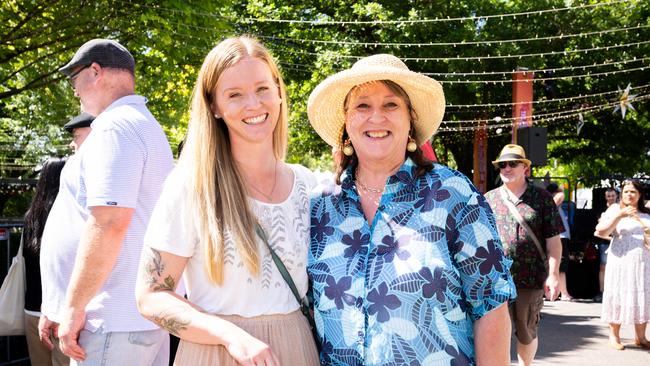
(217, 196)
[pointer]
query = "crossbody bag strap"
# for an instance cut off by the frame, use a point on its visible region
(520, 220)
(278, 263)
(302, 302)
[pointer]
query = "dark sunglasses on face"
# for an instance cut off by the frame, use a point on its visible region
(512, 164)
(74, 75)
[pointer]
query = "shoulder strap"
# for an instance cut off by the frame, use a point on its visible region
(520, 220)
(278, 263)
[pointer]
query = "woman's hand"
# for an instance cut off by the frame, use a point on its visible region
(627, 211)
(250, 351)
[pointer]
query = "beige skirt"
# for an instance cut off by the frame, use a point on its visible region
(288, 336)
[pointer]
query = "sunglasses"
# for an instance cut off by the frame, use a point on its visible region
(74, 75)
(512, 164)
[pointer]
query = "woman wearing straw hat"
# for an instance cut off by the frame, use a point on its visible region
(230, 186)
(405, 260)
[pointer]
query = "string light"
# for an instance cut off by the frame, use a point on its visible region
(569, 77)
(477, 58)
(504, 81)
(454, 44)
(567, 115)
(426, 21)
(373, 22)
(535, 71)
(558, 100)
(544, 115)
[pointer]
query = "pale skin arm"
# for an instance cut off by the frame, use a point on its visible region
(492, 337)
(158, 277)
(99, 248)
(607, 225)
(554, 252)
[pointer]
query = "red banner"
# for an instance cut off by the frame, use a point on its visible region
(480, 158)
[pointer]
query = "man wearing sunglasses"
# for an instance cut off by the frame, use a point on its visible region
(89, 260)
(529, 226)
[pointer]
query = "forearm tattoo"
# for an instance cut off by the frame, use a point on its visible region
(154, 267)
(173, 323)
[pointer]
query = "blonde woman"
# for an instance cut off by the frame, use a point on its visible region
(230, 177)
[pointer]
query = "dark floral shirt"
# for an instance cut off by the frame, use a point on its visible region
(406, 289)
(536, 206)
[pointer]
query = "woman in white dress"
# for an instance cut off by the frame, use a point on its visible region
(626, 297)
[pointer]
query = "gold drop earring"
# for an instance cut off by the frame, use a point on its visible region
(348, 150)
(411, 146)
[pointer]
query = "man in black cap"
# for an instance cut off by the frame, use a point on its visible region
(79, 128)
(90, 253)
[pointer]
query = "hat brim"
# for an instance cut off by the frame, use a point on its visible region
(495, 163)
(325, 104)
(82, 120)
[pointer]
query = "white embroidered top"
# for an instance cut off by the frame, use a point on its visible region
(287, 224)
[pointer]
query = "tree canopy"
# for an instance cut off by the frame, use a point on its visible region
(583, 55)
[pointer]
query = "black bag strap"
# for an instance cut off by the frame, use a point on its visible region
(278, 263)
(303, 302)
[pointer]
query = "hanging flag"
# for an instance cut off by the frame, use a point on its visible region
(480, 158)
(428, 152)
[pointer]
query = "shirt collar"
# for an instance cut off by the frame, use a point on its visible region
(132, 99)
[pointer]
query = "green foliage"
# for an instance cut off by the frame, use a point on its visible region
(39, 37)
(170, 38)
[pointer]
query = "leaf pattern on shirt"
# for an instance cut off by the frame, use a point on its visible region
(391, 294)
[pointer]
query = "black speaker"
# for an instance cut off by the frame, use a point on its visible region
(533, 140)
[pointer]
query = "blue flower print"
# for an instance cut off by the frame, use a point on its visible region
(327, 350)
(357, 243)
(458, 359)
(435, 284)
(490, 258)
(381, 301)
(336, 291)
(390, 247)
(319, 228)
(430, 194)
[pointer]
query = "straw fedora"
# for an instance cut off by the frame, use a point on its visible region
(511, 152)
(325, 104)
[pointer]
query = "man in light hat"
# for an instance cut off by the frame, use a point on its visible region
(90, 270)
(79, 128)
(529, 226)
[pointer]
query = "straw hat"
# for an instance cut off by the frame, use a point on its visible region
(325, 105)
(512, 152)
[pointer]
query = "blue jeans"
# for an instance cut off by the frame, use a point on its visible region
(141, 348)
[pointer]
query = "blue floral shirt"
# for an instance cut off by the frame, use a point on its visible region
(406, 289)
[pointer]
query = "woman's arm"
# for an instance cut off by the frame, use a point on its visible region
(607, 223)
(492, 337)
(158, 277)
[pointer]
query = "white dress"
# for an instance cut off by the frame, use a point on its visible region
(626, 297)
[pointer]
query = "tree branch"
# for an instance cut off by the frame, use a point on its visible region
(36, 83)
(36, 61)
(38, 10)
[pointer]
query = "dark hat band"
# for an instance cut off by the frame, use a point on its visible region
(511, 157)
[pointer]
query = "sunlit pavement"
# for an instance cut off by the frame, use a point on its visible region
(571, 333)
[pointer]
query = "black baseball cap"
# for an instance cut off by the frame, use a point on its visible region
(106, 52)
(82, 120)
